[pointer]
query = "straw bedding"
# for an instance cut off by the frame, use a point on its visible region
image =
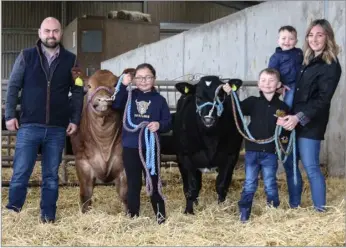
(213, 224)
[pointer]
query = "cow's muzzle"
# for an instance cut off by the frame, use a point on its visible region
(101, 103)
(208, 121)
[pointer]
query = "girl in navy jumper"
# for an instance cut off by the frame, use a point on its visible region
(147, 106)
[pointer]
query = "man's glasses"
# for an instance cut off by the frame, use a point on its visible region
(142, 79)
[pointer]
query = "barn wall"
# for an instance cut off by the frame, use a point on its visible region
(12, 43)
(21, 19)
(20, 23)
(78, 9)
(239, 45)
(20, 14)
(187, 11)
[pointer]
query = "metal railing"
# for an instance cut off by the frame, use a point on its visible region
(166, 88)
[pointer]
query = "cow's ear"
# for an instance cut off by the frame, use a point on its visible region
(185, 88)
(77, 72)
(129, 70)
(235, 83)
(86, 85)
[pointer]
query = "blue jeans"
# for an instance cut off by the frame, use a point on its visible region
(308, 151)
(288, 98)
(254, 162)
(29, 138)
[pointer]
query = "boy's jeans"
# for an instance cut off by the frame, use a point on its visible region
(309, 151)
(254, 162)
(29, 137)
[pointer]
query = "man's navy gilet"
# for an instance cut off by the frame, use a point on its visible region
(45, 91)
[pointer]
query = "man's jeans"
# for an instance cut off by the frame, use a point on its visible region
(29, 138)
(308, 151)
(254, 163)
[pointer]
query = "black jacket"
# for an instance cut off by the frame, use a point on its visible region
(263, 121)
(316, 85)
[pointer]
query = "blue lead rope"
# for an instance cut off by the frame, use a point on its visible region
(216, 103)
(219, 107)
(149, 136)
(117, 87)
(149, 142)
(276, 137)
(290, 148)
(244, 121)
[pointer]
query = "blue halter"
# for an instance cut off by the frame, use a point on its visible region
(216, 103)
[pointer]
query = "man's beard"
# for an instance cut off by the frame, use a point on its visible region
(46, 44)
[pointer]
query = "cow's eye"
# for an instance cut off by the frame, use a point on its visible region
(89, 86)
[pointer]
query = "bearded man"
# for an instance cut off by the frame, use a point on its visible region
(43, 75)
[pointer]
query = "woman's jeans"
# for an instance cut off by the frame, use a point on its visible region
(308, 151)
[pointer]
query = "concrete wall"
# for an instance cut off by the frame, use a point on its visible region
(240, 45)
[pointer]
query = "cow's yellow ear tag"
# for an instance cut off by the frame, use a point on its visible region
(78, 81)
(234, 87)
(186, 90)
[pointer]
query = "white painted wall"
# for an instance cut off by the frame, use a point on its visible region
(240, 45)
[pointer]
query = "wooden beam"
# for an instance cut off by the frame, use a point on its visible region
(238, 5)
(63, 14)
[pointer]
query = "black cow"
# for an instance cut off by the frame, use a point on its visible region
(205, 138)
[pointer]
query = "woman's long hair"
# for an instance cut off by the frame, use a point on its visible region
(330, 50)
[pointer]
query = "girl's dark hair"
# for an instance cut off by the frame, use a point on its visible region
(148, 66)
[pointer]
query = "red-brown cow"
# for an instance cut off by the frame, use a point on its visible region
(97, 144)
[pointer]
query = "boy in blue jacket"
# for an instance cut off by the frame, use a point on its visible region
(149, 106)
(287, 59)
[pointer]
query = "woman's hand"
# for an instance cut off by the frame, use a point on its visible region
(153, 126)
(127, 79)
(289, 122)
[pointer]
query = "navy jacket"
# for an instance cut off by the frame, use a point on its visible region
(288, 63)
(263, 121)
(149, 106)
(44, 96)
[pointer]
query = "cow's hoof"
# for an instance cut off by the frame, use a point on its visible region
(85, 209)
(189, 207)
(221, 199)
(189, 211)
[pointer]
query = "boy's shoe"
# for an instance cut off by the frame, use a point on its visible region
(245, 214)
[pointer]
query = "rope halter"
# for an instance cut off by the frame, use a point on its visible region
(215, 104)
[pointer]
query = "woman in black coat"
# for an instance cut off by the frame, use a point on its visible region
(315, 88)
